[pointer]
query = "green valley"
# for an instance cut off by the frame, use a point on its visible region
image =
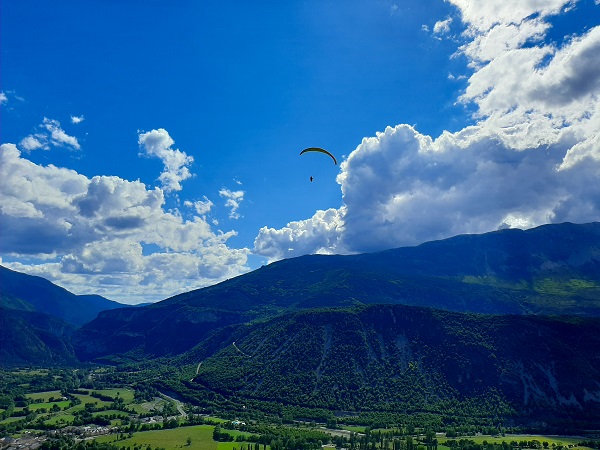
(484, 335)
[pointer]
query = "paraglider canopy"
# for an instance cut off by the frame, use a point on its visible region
(320, 150)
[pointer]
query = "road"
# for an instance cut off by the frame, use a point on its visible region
(178, 404)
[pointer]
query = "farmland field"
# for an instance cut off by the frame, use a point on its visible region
(355, 428)
(551, 440)
(60, 419)
(200, 435)
(12, 419)
(44, 396)
(126, 393)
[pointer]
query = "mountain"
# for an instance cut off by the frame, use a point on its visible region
(30, 293)
(552, 269)
(33, 338)
(409, 359)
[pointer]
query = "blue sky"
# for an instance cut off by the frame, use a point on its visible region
(149, 148)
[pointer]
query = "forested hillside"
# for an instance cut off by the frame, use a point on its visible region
(407, 359)
(33, 338)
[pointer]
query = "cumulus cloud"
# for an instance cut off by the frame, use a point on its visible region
(483, 15)
(33, 142)
(77, 119)
(320, 234)
(158, 143)
(202, 207)
(3, 98)
(97, 233)
(57, 135)
(234, 199)
(48, 133)
(531, 156)
(442, 26)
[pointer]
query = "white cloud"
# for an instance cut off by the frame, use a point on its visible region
(58, 136)
(33, 142)
(483, 15)
(77, 119)
(442, 26)
(532, 157)
(48, 133)
(403, 188)
(3, 98)
(502, 38)
(95, 234)
(158, 143)
(202, 207)
(319, 234)
(234, 199)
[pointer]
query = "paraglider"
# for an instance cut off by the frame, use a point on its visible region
(320, 150)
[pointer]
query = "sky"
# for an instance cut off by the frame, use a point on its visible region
(148, 148)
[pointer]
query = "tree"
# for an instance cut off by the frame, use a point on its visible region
(429, 438)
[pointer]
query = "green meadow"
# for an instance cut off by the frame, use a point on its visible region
(37, 406)
(171, 439)
(12, 419)
(44, 396)
(551, 440)
(126, 393)
(60, 419)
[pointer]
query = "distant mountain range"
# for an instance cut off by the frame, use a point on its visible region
(38, 318)
(552, 270)
(30, 293)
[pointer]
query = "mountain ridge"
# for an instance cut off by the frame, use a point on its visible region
(552, 269)
(32, 293)
(38, 319)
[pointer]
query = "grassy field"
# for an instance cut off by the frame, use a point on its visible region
(12, 419)
(354, 428)
(44, 396)
(217, 419)
(126, 394)
(33, 373)
(557, 440)
(63, 418)
(176, 438)
(37, 406)
(88, 399)
(232, 445)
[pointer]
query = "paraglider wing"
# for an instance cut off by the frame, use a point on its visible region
(320, 150)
